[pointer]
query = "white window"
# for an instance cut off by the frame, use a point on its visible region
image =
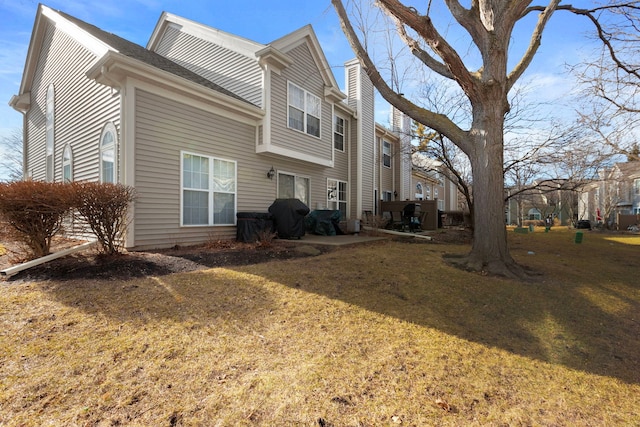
(67, 164)
(418, 194)
(108, 141)
(386, 154)
(337, 196)
(427, 193)
(338, 133)
(636, 186)
(386, 196)
(208, 190)
(304, 111)
(50, 132)
(436, 193)
(293, 187)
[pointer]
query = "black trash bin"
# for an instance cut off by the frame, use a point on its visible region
(288, 218)
(251, 225)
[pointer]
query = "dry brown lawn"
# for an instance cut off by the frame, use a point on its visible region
(377, 335)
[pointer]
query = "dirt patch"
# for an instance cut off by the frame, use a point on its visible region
(90, 265)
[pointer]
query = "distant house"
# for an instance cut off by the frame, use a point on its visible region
(615, 193)
(430, 180)
(204, 124)
(551, 199)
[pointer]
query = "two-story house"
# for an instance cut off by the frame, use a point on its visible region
(615, 193)
(203, 124)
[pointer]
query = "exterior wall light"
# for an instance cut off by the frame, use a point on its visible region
(271, 173)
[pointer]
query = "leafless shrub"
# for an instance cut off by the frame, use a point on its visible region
(103, 207)
(34, 211)
(264, 239)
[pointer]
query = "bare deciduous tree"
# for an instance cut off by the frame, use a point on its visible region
(489, 24)
(11, 158)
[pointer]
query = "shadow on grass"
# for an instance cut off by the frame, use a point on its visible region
(585, 319)
(583, 313)
(196, 298)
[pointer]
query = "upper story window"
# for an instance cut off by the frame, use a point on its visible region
(67, 164)
(427, 193)
(338, 133)
(386, 154)
(304, 111)
(50, 130)
(108, 141)
(636, 186)
(208, 190)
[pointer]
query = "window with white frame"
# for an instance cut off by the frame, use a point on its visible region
(386, 196)
(50, 132)
(108, 141)
(292, 186)
(337, 196)
(427, 193)
(304, 110)
(67, 164)
(636, 186)
(208, 190)
(338, 133)
(386, 154)
(419, 194)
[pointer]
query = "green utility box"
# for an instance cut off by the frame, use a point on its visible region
(578, 237)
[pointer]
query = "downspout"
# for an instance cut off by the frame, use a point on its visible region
(359, 144)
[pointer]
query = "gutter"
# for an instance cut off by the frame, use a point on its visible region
(20, 267)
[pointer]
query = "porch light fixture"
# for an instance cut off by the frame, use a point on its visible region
(271, 173)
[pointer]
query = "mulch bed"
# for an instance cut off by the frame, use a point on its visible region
(90, 265)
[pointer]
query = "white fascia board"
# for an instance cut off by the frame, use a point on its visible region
(113, 69)
(307, 35)
(44, 17)
(343, 108)
(273, 149)
(233, 42)
(96, 46)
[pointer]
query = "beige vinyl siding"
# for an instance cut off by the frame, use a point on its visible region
(166, 127)
(303, 73)
(231, 70)
(366, 115)
(82, 107)
(353, 150)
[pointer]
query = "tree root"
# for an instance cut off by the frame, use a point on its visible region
(496, 267)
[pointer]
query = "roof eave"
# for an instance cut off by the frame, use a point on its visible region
(113, 69)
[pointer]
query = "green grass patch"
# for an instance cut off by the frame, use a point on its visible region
(382, 334)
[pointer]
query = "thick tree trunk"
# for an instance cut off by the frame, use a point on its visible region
(489, 251)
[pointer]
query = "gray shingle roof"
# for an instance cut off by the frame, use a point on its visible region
(147, 56)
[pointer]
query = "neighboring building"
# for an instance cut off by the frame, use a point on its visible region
(616, 192)
(204, 124)
(431, 181)
(540, 202)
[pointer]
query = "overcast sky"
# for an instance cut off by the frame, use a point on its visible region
(259, 20)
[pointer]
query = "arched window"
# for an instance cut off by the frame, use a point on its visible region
(67, 164)
(419, 195)
(108, 145)
(49, 132)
